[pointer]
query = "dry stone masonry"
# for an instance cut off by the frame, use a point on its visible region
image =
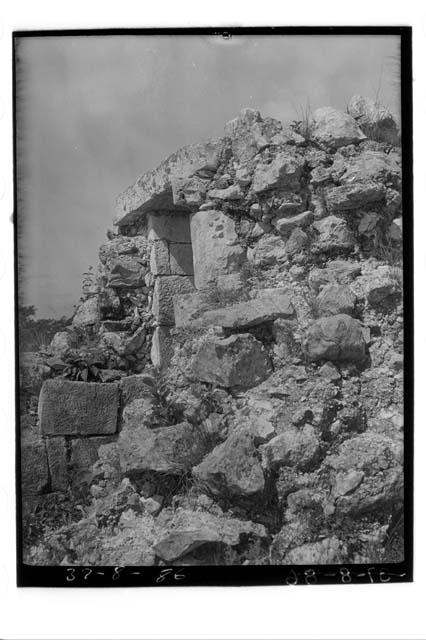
(235, 393)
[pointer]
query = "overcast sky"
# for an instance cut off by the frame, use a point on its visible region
(94, 113)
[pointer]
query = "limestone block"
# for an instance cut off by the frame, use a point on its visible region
(153, 190)
(58, 467)
(165, 288)
(334, 128)
(162, 347)
(181, 260)
(188, 307)
(34, 469)
(173, 228)
(238, 361)
(270, 305)
(334, 338)
(233, 468)
(78, 408)
(215, 246)
(126, 272)
(159, 259)
(283, 172)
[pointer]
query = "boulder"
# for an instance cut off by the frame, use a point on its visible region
(383, 285)
(297, 448)
(237, 361)
(366, 475)
(122, 246)
(246, 132)
(334, 299)
(232, 469)
(283, 172)
(87, 313)
(336, 271)
(333, 235)
(123, 343)
(126, 272)
(172, 450)
(215, 247)
(368, 167)
(165, 288)
(78, 408)
(335, 338)
(189, 530)
(333, 129)
(266, 307)
(296, 243)
(268, 251)
(374, 119)
(349, 197)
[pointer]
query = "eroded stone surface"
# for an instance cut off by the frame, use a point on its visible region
(78, 408)
(232, 468)
(237, 361)
(215, 247)
(338, 337)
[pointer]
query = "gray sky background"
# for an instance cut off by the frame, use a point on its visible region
(94, 113)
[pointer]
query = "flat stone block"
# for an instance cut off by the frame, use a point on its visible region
(159, 259)
(181, 260)
(166, 287)
(174, 228)
(78, 408)
(162, 347)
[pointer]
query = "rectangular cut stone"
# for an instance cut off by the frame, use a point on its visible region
(165, 288)
(173, 228)
(34, 469)
(181, 261)
(162, 347)
(215, 247)
(58, 466)
(159, 259)
(78, 408)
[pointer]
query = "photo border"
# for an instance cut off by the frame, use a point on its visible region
(251, 575)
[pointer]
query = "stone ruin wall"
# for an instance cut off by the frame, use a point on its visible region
(271, 235)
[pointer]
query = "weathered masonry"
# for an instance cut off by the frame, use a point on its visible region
(193, 246)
